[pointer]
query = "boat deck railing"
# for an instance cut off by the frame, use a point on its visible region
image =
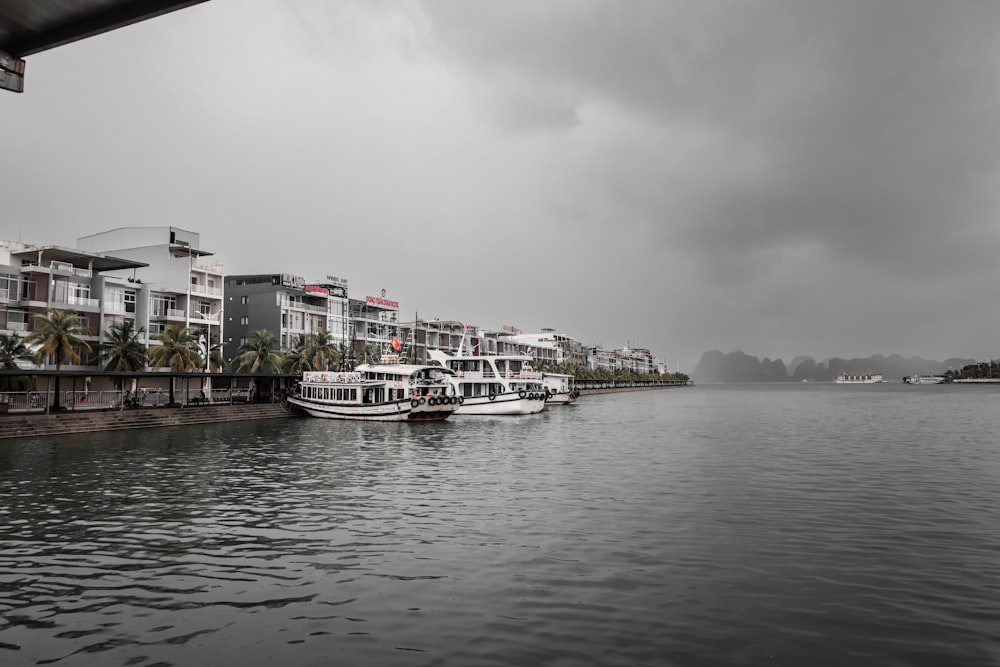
(490, 375)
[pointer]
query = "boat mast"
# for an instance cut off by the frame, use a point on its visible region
(461, 343)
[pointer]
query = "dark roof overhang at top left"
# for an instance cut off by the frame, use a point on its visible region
(30, 26)
(77, 258)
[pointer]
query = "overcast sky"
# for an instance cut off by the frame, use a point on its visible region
(787, 177)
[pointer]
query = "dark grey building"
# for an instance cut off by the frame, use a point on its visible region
(286, 305)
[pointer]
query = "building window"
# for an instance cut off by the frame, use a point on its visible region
(159, 305)
(245, 320)
(244, 299)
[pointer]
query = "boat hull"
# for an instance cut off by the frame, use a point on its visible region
(410, 409)
(502, 405)
(562, 398)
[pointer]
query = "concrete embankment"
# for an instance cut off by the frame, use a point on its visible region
(614, 390)
(33, 425)
(14, 425)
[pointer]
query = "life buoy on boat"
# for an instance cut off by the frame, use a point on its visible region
(522, 393)
(461, 399)
(414, 402)
(492, 396)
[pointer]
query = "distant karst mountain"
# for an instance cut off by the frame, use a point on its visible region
(716, 366)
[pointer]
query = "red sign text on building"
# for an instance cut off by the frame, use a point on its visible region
(379, 301)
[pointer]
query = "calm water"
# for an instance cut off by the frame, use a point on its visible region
(723, 525)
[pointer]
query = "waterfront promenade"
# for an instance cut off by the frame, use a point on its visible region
(23, 424)
(28, 425)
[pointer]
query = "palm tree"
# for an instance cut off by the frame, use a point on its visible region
(324, 350)
(299, 358)
(178, 351)
(12, 350)
(123, 350)
(259, 354)
(313, 353)
(58, 333)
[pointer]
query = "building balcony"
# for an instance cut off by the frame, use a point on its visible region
(112, 307)
(210, 318)
(204, 289)
(209, 268)
(77, 302)
(168, 314)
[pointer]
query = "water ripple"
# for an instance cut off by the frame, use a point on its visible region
(713, 526)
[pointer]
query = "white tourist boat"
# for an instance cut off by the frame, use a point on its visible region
(864, 378)
(494, 384)
(560, 387)
(378, 392)
(924, 379)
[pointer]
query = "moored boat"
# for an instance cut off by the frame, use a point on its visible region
(378, 392)
(864, 378)
(494, 384)
(560, 387)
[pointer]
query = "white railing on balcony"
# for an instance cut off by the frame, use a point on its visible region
(299, 305)
(209, 268)
(205, 317)
(86, 273)
(77, 301)
(17, 326)
(174, 313)
(113, 307)
(204, 289)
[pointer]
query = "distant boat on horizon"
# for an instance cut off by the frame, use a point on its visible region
(924, 379)
(865, 378)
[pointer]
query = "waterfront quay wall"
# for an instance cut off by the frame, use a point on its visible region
(590, 387)
(615, 390)
(15, 425)
(30, 425)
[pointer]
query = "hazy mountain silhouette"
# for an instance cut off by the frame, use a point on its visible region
(716, 366)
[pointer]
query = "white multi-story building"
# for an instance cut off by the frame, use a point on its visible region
(37, 279)
(180, 286)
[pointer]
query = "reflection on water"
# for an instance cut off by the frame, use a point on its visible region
(722, 525)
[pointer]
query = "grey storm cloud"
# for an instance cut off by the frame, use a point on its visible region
(682, 175)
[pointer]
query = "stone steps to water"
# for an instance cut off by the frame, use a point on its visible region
(92, 421)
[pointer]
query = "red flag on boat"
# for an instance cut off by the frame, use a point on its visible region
(395, 343)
